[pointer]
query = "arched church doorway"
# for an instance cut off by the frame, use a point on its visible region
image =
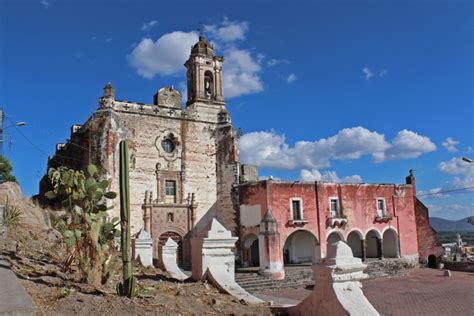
(355, 241)
(390, 244)
(374, 245)
(251, 253)
(178, 239)
(301, 247)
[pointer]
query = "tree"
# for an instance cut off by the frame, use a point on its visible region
(6, 170)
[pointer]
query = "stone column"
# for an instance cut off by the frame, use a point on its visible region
(380, 248)
(364, 249)
(271, 254)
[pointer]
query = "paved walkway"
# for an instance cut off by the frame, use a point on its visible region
(13, 298)
(421, 292)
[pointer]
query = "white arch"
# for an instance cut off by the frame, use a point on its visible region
(249, 239)
(300, 246)
(355, 240)
(390, 244)
(333, 230)
(358, 231)
(389, 227)
(374, 229)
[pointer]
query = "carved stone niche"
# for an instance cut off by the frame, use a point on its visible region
(168, 145)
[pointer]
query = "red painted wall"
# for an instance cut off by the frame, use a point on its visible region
(358, 202)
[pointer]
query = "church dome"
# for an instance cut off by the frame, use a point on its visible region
(203, 47)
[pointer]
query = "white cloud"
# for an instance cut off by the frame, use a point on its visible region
(368, 73)
(148, 25)
(268, 149)
(227, 31)
(291, 78)
(463, 173)
(166, 56)
(46, 3)
(383, 73)
(450, 144)
(274, 62)
(327, 176)
(408, 144)
(241, 74)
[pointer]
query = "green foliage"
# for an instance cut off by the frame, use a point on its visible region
(127, 287)
(6, 169)
(11, 215)
(89, 237)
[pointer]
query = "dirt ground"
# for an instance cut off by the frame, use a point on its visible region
(36, 256)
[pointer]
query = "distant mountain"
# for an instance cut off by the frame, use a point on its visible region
(444, 225)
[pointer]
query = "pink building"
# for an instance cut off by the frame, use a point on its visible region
(293, 222)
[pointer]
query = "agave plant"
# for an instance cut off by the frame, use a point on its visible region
(88, 234)
(11, 215)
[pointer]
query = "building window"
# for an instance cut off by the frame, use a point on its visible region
(170, 217)
(381, 209)
(296, 209)
(168, 145)
(335, 210)
(170, 191)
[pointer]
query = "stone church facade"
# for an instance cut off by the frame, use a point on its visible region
(185, 171)
(183, 161)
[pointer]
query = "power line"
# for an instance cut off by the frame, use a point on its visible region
(446, 191)
(45, 153)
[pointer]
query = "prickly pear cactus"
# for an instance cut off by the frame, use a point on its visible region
(127, 287)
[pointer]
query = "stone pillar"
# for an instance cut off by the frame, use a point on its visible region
(337, 291)
(380, 248)
(147, 211)
(215, 250)
(271, 254)
(143, 248)
(364, 249)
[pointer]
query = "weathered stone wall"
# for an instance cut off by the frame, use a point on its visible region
(428, 243)
(200, 140)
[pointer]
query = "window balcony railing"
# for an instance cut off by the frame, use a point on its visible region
(336, 220)
(382, 218)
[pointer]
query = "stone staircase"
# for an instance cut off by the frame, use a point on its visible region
(297, 276)
(301, 276)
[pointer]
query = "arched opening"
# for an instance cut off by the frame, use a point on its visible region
(432, 261)
(373, 244)
(178, 239)
(332, 238)
(250, 251)
(301, 247)
(208, 84)
(390, 244)
(354, 240)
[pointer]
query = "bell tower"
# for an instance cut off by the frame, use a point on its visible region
(204, 74)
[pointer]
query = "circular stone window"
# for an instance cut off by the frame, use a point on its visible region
(168, 145)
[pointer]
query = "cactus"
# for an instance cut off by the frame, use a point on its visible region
(127, 287)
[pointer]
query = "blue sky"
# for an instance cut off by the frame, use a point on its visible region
(323, 90)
